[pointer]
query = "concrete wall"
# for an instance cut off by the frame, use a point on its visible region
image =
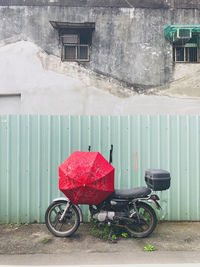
(33, 82)
(128, 43)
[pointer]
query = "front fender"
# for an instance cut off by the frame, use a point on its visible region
(65, 199)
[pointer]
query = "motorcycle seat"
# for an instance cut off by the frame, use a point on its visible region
(137, 192)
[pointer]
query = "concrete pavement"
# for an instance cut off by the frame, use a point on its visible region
(121, 265)
(114, 258)
(33, 245)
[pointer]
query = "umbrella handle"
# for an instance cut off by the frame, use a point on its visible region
(111, 150)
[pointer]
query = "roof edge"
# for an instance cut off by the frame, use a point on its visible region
(152, 4)
(67, 25)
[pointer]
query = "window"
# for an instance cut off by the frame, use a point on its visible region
(185, 40)
(185, 54)
(72, 50)
(75, 39)
(185, 49)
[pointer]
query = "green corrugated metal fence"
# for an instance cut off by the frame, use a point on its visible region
(32, 147)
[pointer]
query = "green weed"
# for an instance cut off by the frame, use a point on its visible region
(102, 230)
(149, 248)
(11, 225)
(125, 235)
(46, 240)
(113, 237)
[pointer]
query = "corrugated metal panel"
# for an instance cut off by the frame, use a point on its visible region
(32, 147)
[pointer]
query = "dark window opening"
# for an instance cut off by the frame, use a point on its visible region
(76, 40)
(76, 52)
(185, 54)
(85, 35)
(191, 54)
(76, 44)
(186, 50)
(70, 52)
(179, 53)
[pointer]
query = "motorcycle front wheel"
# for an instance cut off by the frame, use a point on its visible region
(68, 225)
(147, 221)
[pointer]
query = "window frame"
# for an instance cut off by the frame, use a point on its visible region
(76, 59)
(83, 30)
(76, 45)
(174, 51)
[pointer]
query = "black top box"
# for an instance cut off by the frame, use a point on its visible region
(157, 180)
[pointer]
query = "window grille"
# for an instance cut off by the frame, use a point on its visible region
(75, 52)
(185, 54)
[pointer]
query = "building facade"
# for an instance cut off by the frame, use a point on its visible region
(121, 40)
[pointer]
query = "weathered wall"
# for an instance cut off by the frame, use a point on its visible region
(33, 82)
(128, 43)
(186, 82)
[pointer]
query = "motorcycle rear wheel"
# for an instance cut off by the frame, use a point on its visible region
(147, 223)
(68, 225)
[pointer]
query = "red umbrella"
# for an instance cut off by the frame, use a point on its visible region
(86, 178)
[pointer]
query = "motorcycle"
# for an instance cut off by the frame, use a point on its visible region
(130, 208)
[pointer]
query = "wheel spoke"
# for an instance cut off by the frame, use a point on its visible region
(141, 211)
(61, 226)
(140, 226)
(57, 221)
(147, 215)
(61, 210)
(55, 211)
(145, 223)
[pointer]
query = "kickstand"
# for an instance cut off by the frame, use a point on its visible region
(110, 233)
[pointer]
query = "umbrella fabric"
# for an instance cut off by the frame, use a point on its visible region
(86, 178)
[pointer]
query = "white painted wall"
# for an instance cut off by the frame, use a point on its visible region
(48, 86)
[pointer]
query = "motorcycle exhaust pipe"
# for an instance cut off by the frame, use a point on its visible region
(123, 219)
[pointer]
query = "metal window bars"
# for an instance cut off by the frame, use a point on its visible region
(76, 52)
(185, 54)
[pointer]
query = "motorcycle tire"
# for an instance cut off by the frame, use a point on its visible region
(69, 224)
(147, 223)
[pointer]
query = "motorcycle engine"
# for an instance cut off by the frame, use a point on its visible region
(104, 215)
